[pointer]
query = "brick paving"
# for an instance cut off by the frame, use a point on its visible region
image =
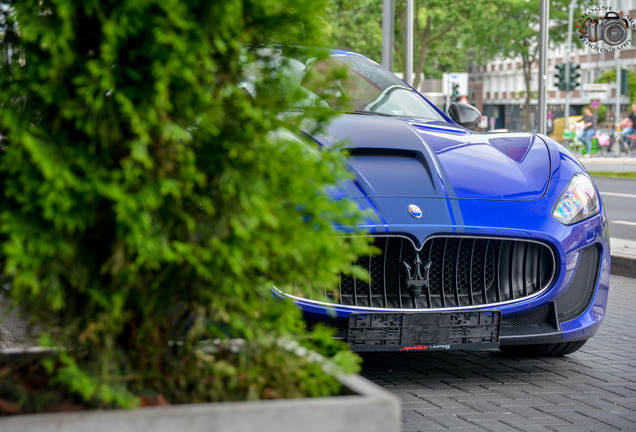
(591, 390)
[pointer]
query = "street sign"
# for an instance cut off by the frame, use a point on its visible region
(459, 78)
(592, 87)
(596, 91)
(596, 103)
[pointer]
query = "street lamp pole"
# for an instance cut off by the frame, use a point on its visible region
(618, 86)
(566, 114)
(408, 66)
(388, 20)
(544, 17)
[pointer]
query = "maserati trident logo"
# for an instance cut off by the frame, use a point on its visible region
(415, 211)
(415, 280)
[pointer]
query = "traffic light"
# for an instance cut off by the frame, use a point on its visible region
(567, 83)
(559, 77)
(624, 83)
(575, 74)
(455, 94)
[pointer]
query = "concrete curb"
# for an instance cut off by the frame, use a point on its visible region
(370, 408)
(608, 160)
(623, 265)
(623, 255)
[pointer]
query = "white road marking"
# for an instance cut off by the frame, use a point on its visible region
(617, 194)
(622, 222)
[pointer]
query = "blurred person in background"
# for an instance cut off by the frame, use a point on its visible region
(588, 130)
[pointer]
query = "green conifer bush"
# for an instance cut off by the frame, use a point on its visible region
(150, 201)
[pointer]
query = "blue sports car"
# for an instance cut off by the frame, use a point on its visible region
(482, 240)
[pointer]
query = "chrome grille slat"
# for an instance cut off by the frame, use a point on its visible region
(355, 292)
(484, 291)
(499, 269)
(511, 272)
(524, 278)
(442, 288)
(470, 274)
(429, 300)
(538, 268)
(457, 274)
(384, 285)
(464, 271)
(399, 268)
(370, 292)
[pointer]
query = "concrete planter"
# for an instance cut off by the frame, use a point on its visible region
(364, 407)
(367, 408)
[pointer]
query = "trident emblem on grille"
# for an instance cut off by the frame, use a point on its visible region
(416, 281)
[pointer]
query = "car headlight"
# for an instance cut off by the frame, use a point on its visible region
(578, 202)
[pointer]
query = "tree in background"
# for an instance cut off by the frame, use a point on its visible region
(445, 33)
(514, 33)
(449, 34)
(356, 25)
(609, 77)
(149, 201)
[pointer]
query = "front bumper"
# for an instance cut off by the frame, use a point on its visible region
(571, 309)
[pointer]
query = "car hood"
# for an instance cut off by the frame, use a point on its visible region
(395, 157)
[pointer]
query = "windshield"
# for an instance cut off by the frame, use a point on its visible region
(367, 88)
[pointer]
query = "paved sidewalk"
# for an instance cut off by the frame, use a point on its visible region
(611, 164)
(591, 390)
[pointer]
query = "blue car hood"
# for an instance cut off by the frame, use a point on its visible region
(393, 157)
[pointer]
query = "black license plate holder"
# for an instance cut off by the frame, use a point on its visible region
(424, 331)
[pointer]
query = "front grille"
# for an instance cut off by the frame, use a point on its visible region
(460, 271)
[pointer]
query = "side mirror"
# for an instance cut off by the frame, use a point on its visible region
(465, 115)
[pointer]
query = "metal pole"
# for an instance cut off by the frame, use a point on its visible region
(408, 64)
(544, 16)
(448, 90)
(618, 86)
(388, 23)
(617, 116)
(566, 113)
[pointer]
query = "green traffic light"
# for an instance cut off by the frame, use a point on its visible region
(567, 82)
(559, 77)
(455, 93)
(575, 74)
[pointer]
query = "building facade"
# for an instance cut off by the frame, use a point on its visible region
(498, 88)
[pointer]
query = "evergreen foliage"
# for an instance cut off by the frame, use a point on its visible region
(149, 201)
(609, 77)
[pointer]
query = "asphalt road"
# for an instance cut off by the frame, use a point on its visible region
(619, 198)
